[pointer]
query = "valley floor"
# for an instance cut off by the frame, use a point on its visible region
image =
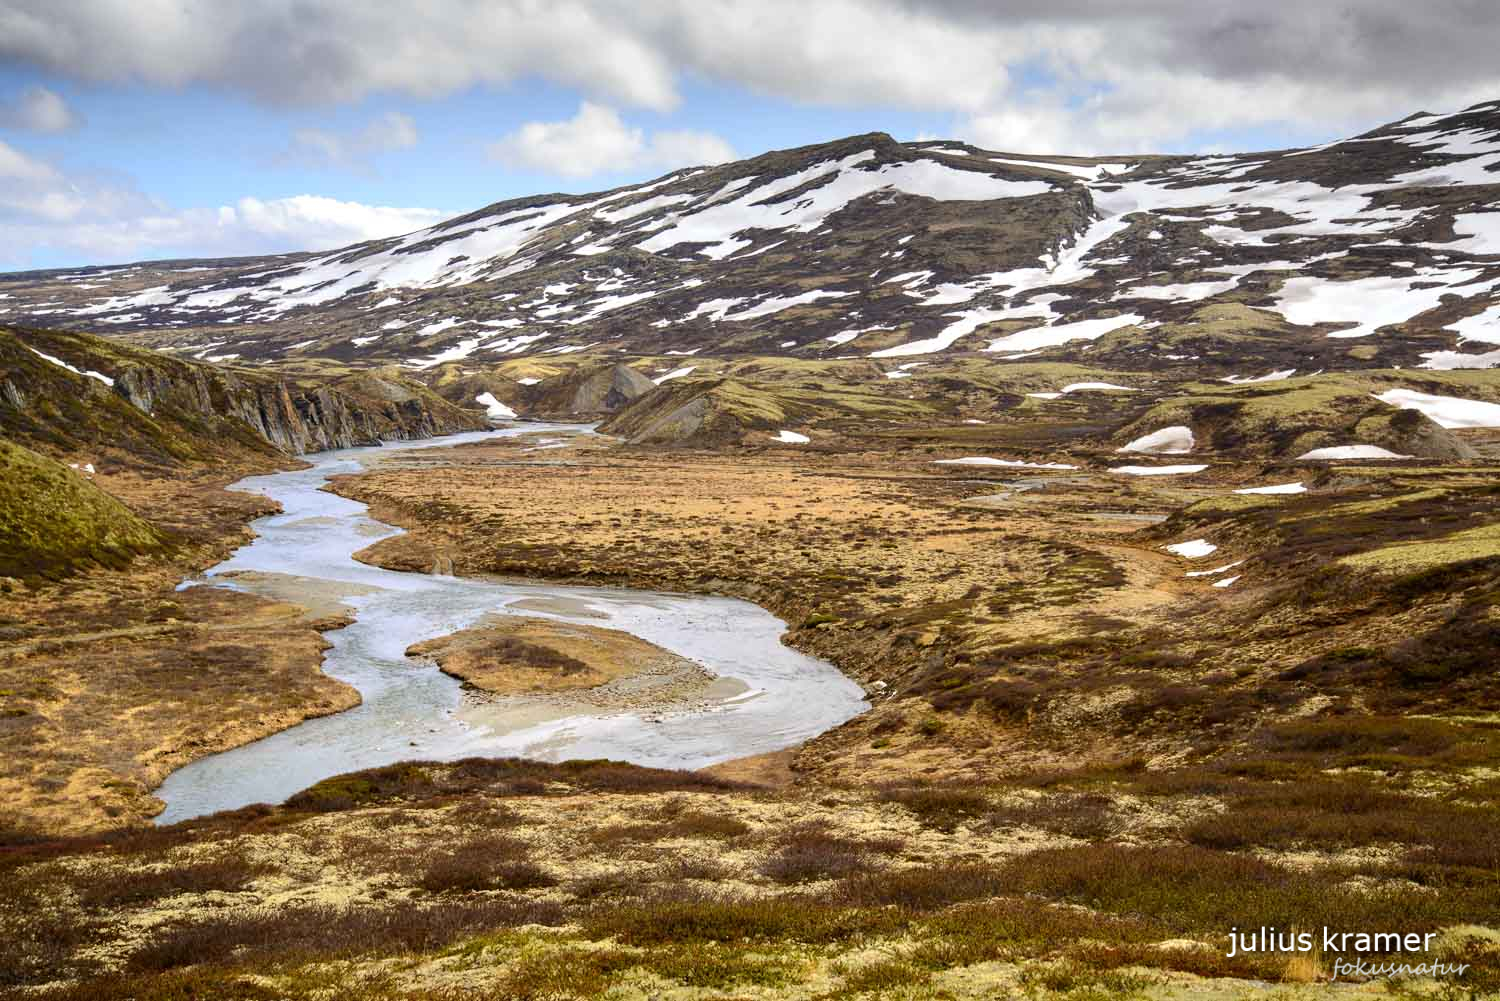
(1082, 768)
(114, 678)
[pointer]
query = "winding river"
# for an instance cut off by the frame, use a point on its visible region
(766, 696)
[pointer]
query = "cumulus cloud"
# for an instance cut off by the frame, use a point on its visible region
(597, 141)
(1071, 75)
(352, 150)
(43, 207)
(37, 109)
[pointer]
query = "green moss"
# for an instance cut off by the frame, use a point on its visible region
(53, 520)
(1405, 557)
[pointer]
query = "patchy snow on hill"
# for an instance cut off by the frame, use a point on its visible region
(791, 438)
(1079, 387)
(1175, 440)
(1062, 333)
(493, 407)
(91, 374)
(1215, 571)
(1352, 452)
(1157, 470)
(1279, 488)
(984, 460)
(676, 373)
(1445, 411)
(1195, 549)
(1369, 303)
(841, 182)
(1248, 380)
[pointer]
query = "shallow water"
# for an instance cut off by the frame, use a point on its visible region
(774, 696)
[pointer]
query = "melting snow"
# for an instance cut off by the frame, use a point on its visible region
(1449, 360)
(1352, 452)
(1175, 440)
(1046, 337)
(1227, 581)
(1157, 470)
(1091, 172)
(984, 460)
(1280, 488)
(1193, 550)
(676, 373)
(1077, 387)
(777, 303)
(100, 376)
(791, 438)
(842, 182)
(1246, 380)
(1369, 303)
(1445, 411)
(493, 407)
(1215, 570)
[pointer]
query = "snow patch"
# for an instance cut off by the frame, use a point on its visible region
(1157, 470)
(1352, 452)
(1279, 488)
(1175, 440)
(984, 460)
(1445, 411)
(493, 407)
(1194, 550)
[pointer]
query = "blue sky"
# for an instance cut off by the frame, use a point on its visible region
(157, 130)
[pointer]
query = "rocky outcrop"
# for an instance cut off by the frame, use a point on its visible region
(588, 391)
(165, 409)
(690, 412)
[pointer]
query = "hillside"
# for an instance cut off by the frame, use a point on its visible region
(73, 394)
(1382, 249)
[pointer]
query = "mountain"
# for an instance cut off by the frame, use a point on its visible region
(1376, 251)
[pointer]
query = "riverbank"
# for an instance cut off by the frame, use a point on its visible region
(114, 679)
(684, 681)
(876, 561)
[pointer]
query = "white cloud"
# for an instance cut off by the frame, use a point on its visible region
(597, 141)
(37, 109)
(42, 207)
(389, 132)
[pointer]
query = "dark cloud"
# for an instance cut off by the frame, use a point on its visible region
(1123, 75)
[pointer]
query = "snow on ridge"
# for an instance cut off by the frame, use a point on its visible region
(1352, 452)
(843, 181)
(1157, 470)
(1175, 440)
(676, 373)
(1093, 172)
(1447, 361)
(493, 407)
(1250, 380)
(1194, 549)
(1445, 411)
(99, 376)
(985, 460)
(1078, 387)
(791, 438)
(1215, 571)
(776, 304)
(1372, 303)
(1061, 333)
(1279, 488)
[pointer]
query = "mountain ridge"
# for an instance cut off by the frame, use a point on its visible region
(870, 246)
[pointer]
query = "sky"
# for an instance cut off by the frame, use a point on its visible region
(150, 129)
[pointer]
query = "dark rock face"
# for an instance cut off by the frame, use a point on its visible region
(590, 391)
(172, 409)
